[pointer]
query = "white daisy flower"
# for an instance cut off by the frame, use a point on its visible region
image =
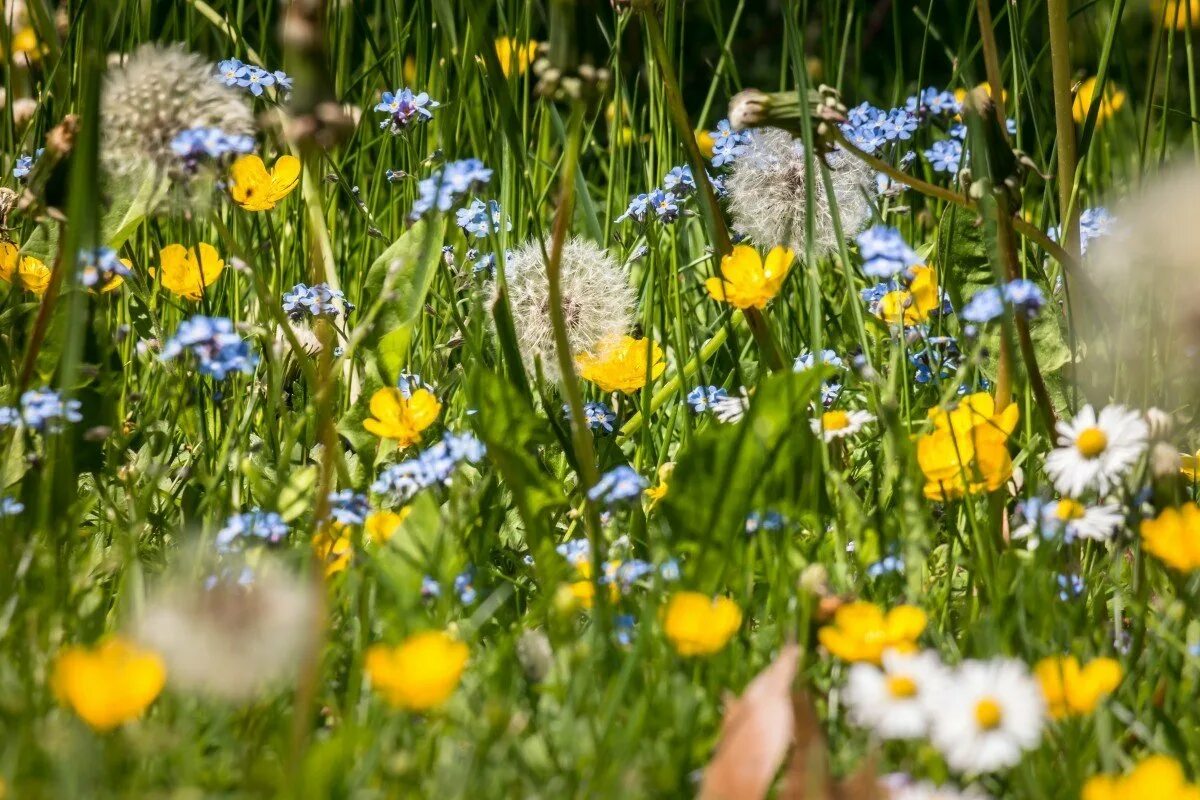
(1069, 519)
(925, 790)
(985, 714)
(840, 424)
(1096, 451)
(892, 701)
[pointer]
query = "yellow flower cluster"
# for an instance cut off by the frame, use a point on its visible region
(1174, 537)
(110, 684)
(620, 365)
(861, 631)
(394, 416)
(967, 451)
(1155, 778)
(420, 673)
(747, 281)
(1072, 690)
(699, 625)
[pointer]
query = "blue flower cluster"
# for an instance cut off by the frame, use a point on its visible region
(464, 586)
(433, 466)
(945, 155)
(349, 507)
(702, 398)
(482, 219)
(98, 268)
(831, 388)
(232, 72)
(887, 564)
(598, 416)
(884, 252)
(194, 145)
(215, 345)
(988, 304)
(252, 526)
(575, 551)
(728, 144)
(43, 410)
(24, 164)
(10, 507)
(618, 485)
(445, 187)
(770, 521)
(315, 301)
(936, 361)
(1093, 223)
(403, 108)
(665, 203)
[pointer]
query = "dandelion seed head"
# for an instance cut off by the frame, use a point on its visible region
(156, 94)
(767, 194)
(598, 302)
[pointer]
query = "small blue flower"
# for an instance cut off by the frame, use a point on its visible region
(257, 525)
(9, 417)
(349, 507)
(445, 187)
(758, 521)
(24, 164)
(887, 564)
(482, 219)
(702, 398)
(10, 507)
(669, 571)
(1025, 295)
(679, 180)
(618, 485)
(99, 267)
(305, 301)
(464, 587)
(434, 466)
(945, 155)
(230, 71)
(256, 79)
(899, 125)
(638, 207)
(665, 205)
(1093, 223)
(624, 626)
(403, 107)
(807, 359)
(282, 80)
(728, 144)
(598, 416)
(1069, 586)
(195, 145)
(215, 345)
(984, 306)
(884, 252)
(430, 588)
(45, 410)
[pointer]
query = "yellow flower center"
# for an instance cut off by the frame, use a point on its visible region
(1092, 442)
(901, 686)
(1068, 509)
(835, 420)
(988, 714)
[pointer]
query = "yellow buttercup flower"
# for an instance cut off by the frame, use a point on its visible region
(381, 526)
(1154, 778)
(913, 305)
(10, 254)
(420, 673)
(254, 189)
(514, 55)
(333, 547)
(1072, 690)
(657, 493)
(619, 365)
(1112, 102)
(862, 632)
(699, 625)
(25, 42)
(1174, 537)
(189, 271)
(394, 416)
(1179, 13)
(967, 451)
(110, 684)
(960, 94)
(34, 275)
(747, 281)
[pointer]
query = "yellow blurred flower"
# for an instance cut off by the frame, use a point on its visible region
(705, 142)
(189, 271)
(9, 256)
(961, 94)
(255, 189)
(1113, 100)
(513, 54)
(862, 632)
(110, 684)
(1174, 537)
(747, 281)
(409, 70)
(1178, 14)
(333, 547)
(1154, 778)
(619, 365)
(699, 625)
(1074, 690)
(394, 416)
(967, 452)
(1189, 464)
(657, 493)
(27, 271)
(420, 673)
(25, 42)
(913, 305)
(382, 525)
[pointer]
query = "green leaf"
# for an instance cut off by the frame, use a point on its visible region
(719, 475)
(400, 278)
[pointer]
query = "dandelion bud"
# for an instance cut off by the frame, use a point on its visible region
(1164, 460)
(535, 655)
(749, 108)
(1160, 423)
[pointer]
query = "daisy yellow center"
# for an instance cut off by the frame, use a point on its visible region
(1091, 442)
(901, 686)
(1068, 509)
(988, 714)
(835, 420)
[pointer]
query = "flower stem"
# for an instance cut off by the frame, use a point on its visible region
(1064, 123)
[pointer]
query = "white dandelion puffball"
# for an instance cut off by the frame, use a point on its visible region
(598, 302)
(158, 92)
(767, 194)
(1140, 321)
